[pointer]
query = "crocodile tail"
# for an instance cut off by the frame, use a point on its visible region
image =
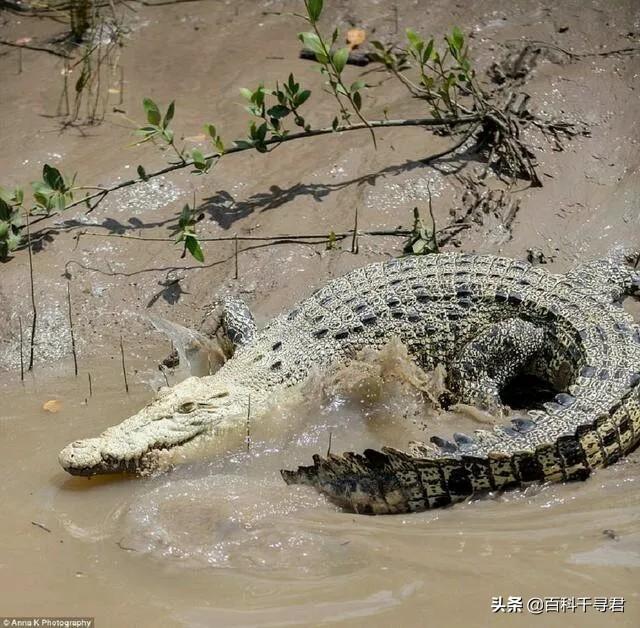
(392, 481)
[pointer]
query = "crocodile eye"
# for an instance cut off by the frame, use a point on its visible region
(187, 407)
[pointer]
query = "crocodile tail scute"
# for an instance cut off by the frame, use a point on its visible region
(392, 481)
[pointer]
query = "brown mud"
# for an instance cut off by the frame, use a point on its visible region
(225, 542)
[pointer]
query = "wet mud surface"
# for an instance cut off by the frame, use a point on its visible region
(225, 542)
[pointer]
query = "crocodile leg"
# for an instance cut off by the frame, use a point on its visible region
(230, 320)
(614, 277)
(491, 360)
(237, 324)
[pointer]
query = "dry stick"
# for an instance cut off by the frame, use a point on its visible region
(578, 55)
(354, 240)
(21, 352)
(4, 42)
(236, 256)
(279, 238)
(124, 368)
(434, 237)
(329, 447)
(90, 385)
(73, 340)
(249, 424)
(426, 122)
(20, 61)
(33, 295)
(121, 99)
(41, 526)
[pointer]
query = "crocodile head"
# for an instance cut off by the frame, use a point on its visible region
(191, 413)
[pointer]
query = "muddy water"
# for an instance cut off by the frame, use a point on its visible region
(226, 543)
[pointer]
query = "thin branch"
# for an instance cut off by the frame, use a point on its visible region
(124, 367)
(73, 340)
(424, 122)
(578, 55)
(33, 295)
(4, 42)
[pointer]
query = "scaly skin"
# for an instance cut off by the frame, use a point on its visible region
(442, 307)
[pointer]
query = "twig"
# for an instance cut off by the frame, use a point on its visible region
(4, 42)
(354, 240)
(235, 256)
(21, 351)
(73, 340)
(329, 447)
(578, 55)
(426, 122)
(121, 97)
(249, 424)
(33, 296)
(124, 547)
(433, 221)
(124, 368)
(41, 526)
(90, 385)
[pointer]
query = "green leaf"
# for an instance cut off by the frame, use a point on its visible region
(198, 159)
(340, 58)
(246, 93)
(314, 9)
(457, 38)
(152, 111)
(211, 130)
(357, 100)
(5, 210)
(169, 115)
(59, 201)
(142, 173)
(242, 144)
(261, 132)
(312, 41)
(335, 123)
(278, 111)
(414, 38)
(356, 86)
(428, 51)
(193, 246)
(302, 97)
(147, 130)
(53, 178)
(219, 145)
(13, 241)
(4, 229)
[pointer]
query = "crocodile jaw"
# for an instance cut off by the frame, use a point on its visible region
(96, 456)
(198, 409)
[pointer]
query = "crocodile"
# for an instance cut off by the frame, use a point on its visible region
(486, 318)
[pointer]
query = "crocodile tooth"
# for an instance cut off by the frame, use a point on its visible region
(445, 445)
